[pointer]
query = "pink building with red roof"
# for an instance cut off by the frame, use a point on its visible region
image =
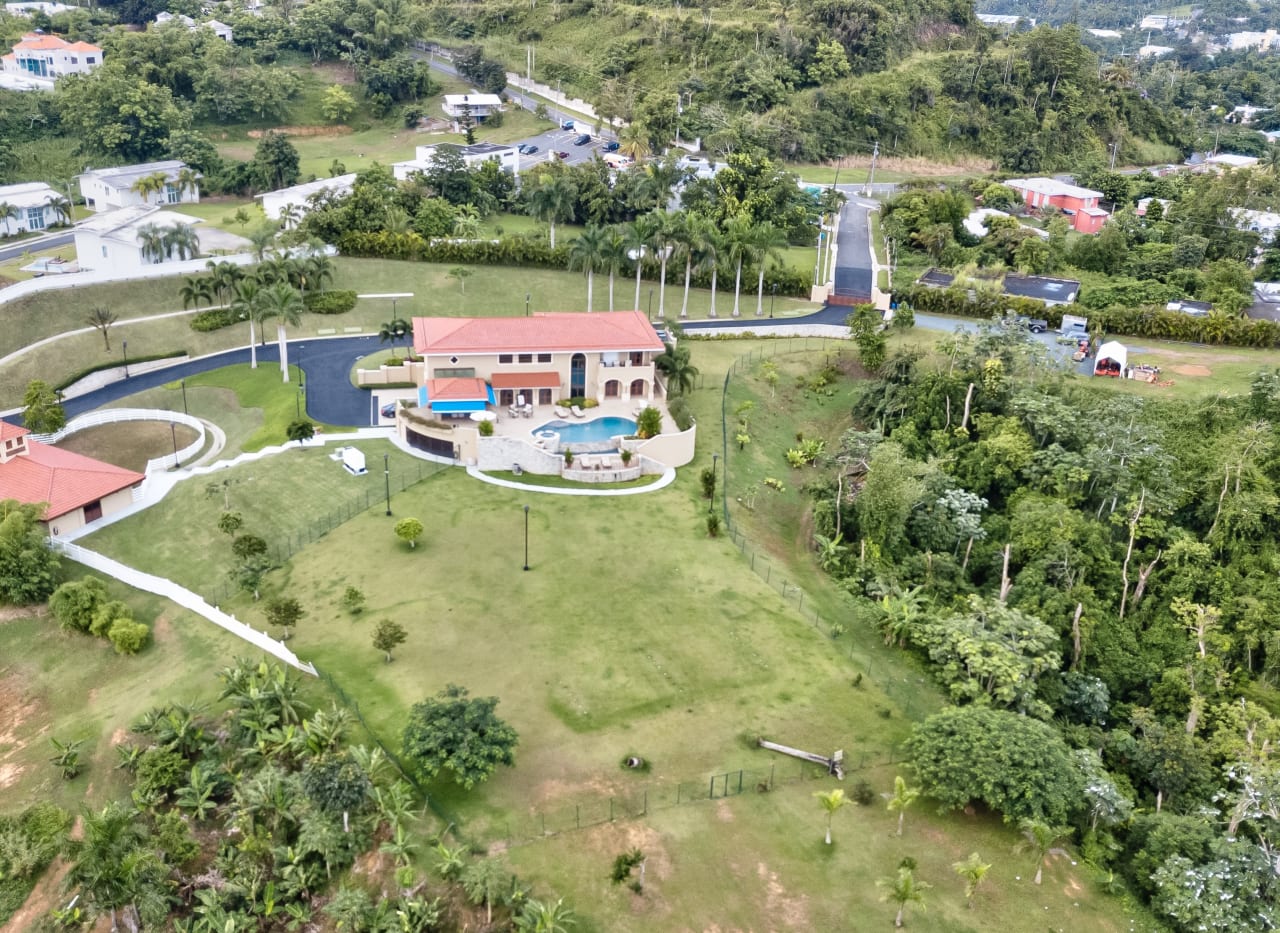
(74, 489)
(543, 358)
(38, 55)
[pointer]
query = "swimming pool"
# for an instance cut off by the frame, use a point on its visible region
(588, 432)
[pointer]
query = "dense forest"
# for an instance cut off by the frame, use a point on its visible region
(1092, 578)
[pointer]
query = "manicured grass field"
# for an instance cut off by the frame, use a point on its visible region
(129, 444)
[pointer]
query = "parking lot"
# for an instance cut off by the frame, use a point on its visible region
(553, 142)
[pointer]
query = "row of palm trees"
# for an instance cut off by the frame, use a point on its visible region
(156, 182)
(683, 236)
(61, 207)
(160, 243)
(273, 290)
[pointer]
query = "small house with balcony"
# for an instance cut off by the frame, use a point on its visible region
(33, 203)
(1080, 205)
(107, 189)
(473, 156)
(73, 489)
(477, 106)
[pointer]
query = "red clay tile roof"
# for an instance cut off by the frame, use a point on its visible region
(39, 43)
(546, 333)
(457, 390)
(61, 478)
(83, 47)
(525, 380)
(8, 431)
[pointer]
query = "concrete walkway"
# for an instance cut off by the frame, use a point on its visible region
(668, 477)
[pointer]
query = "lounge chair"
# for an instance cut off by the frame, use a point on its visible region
(513, 412)
(561, 412)
(578, 412)
(527, 411)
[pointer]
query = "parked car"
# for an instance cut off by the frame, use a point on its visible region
(388, 410)
(567, 125)
(1035, 325)
(563, 155)
(583, 140)
(612, 146)
(526, 148)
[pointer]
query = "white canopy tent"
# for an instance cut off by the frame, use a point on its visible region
(1112, 360)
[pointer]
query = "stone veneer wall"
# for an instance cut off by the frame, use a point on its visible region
(502, 453)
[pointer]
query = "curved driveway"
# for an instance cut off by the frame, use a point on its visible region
(326, 364)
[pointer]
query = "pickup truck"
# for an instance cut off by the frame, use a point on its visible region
(1035, 325)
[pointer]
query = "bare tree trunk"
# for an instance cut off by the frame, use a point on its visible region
(947, 427)
(1005, 583)
(968, 400)
(1128, 554)
(964, 565)
(1075, 637)
(1159, 800)
(1226, 482)
(1143, 573)
(839, 497)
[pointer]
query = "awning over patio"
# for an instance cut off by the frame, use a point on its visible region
(525, 380)
(455, 396)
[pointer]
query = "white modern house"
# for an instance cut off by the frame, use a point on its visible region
(299, 197)
(27, 7)
(107, 189)
(113, 240)
(221, 30)
(479, 105)
(45, 58)
(507, 157)
(33, 202)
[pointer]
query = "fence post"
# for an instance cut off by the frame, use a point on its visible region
(577, 814)
(800, 605)
(677, 792)
(771, 767)
(711, 794)
(739, 780)
(645, 811)
(610, 809)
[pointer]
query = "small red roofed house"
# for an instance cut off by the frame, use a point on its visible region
(37, 55)
(74, 489)
(1079, 204)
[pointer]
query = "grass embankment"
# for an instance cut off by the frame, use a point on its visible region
(129, 444)
(633, 633)
(488, 291)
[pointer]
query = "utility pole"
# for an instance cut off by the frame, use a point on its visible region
(871, 176)
(1115, 147)
(528, 63)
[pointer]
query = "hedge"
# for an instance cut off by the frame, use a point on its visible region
(526, 251)
(334, 301)
(1152, 321)
(214, 319)
(99, 367)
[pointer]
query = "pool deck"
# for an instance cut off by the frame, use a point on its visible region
(506, 426)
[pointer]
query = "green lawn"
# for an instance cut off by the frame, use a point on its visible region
(216, 211)
(258, 391)
(13, 268)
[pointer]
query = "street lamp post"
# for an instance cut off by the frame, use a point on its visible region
(527, 297)
(297, 404)
(651, 304)
(526, 537)
(715, 462)
(124, 349)
(184, 396)
(773, 296)
(386, 473)
(173, 432)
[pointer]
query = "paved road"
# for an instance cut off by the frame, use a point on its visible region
(50, 242)
(854, 274)
(329, 396)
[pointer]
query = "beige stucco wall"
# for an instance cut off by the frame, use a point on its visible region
(75, 518)
(673, 450)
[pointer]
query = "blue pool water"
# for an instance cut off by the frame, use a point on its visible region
(587, 432)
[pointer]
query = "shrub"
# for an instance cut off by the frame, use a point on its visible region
(75, 377)
(353, 600)
(107, 615)
(215, 319)
(128, 636)
(74, 603)
(649, 423)
(334, 301)
(863, 794)
(486, 429)
(713, 524)
(679, 409)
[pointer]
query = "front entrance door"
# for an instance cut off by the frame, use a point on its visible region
(578, 376)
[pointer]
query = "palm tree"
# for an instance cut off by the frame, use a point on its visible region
(713, 246)
(901, 798)
(831, 802)
(613, 254)
(196, 290)
(639, 235)
(262, 236)
(247, 305)
(290, 216)
(282, 302)
(148, 185)
(102, 318)
(103, 859)
(188, 180)
(660, 179)
(586, 252)
(224, 276)
(317, 268)
(972, 870)
(183, 240)
(61, 208)
(674, 364)
(483, 882)
(151, 237)
(1039, 838)
(767, 244)
(696, 232)
(8, 212)
(633, 143)
(552, 201)
(903, 889)
(393, 331)
(665, 238)
(739, 237)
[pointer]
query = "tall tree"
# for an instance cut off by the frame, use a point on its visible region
(1039, 838)
(739, 236)
(388, 635)
(639, 236)
(460, 734)
(903, 890)
(282, 302)
(102, 318)
(552, 200)
(586, 253)
(767, 244)
(901, 798)
(149, 185)
(613, 255)
(247, 305)
(42, 412)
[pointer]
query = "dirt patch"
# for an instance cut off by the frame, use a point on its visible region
(915, 166)
(791, 912)
(46, 895)
(333, 73)
(1191, 370)
(724, 813)
(9, 775)
(19, 707)
(162, 628)
(549, 791)
(13, 613)
(302, 131)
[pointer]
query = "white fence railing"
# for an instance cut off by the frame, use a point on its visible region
(185, 598)
(101, 276)
(95, 419)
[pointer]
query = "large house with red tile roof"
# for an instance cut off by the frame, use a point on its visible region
(74, 489)
(544, 358)
(43, 56)
(1080, 205)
